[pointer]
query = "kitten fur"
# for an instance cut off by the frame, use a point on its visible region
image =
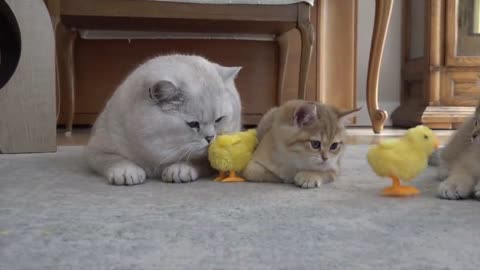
(160, 120)
(285, 152)
(459, 162)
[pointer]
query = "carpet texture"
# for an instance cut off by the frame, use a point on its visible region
(56, 214)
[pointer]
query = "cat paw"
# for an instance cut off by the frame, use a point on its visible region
(179, 173)
(454, 190)
(477, 191)
(125, 173)
(308, 180)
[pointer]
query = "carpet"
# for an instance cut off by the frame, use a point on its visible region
(56, 214)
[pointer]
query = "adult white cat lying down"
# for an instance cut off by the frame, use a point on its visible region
(161, 119)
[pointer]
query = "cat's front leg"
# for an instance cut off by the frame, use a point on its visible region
(117, 169)
(313, 179)
(180, 173)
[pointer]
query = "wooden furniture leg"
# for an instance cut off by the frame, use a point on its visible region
(284, 50)
(305, 26)
(65, 39)
(383, 10)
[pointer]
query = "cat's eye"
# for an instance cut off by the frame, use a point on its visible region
(193, 124)
(219, 119)
(334, 146)
(315, 144)
(476, 122)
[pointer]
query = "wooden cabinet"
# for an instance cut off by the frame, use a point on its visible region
(440, 75)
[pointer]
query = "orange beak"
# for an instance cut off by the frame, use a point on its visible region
(437, 144)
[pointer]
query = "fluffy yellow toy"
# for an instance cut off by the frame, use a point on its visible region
(403, 158)
(231, 153)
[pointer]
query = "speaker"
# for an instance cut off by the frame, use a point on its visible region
(27, 78)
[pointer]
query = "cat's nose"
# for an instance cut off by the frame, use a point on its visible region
(324, 158)
(209, 138)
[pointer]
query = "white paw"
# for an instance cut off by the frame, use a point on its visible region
(179, 173)
(307, 180)
(477, 191)
(125, 173)
(454, 190)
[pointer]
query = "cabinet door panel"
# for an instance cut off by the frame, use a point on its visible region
(461, 88)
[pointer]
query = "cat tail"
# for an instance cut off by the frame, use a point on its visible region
(265, 123)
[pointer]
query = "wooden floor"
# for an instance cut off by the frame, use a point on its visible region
(356, 136)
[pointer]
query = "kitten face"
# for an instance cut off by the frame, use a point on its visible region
(313, 135)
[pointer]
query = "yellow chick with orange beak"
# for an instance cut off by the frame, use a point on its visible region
(230, 154)
(404, 158)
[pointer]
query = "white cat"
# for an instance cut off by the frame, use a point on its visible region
(161, 119)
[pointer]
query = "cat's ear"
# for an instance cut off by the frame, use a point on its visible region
(345, 116)
(228, 73)
(305, 114)
(164, 92)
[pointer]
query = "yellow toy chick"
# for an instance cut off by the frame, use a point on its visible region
(403, 158)
(231, 153)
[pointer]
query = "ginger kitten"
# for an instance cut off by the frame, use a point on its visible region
(301, 142)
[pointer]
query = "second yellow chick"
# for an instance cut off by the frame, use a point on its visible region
(403, 158)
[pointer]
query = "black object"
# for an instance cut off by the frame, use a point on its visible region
(10, 43)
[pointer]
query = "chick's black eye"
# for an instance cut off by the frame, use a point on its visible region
(193, 124)
(425, 137)
(334, 146)
(315, 144)
(219, 119)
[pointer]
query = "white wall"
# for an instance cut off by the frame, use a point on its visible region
(389, 85)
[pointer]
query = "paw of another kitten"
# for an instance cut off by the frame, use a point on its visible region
(452, 189)
(179, 173)
(125, 173)
(477, 191)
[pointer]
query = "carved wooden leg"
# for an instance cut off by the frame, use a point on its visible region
(66, 70)
(284, 48)
(383, 9)
(305, 26)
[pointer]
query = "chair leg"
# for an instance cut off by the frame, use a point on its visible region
(305, 26)
(65, 39)
(284, 50)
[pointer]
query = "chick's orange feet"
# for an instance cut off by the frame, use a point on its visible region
(397, 190)
(221, 175)
(232, 178)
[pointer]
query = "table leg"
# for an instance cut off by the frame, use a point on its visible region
(383, 10)
(284, 50)
(306, 30)
(66, 70)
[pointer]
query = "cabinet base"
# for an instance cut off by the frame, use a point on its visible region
(435, 117)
